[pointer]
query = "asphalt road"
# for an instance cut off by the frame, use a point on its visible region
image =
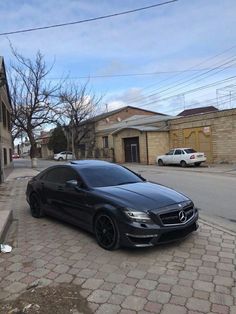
(213, 193)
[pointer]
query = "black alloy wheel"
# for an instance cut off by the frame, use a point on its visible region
(160, 162)
(106, 232)
(35, 206)
(183, 164)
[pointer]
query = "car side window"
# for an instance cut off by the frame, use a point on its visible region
(178, 152)
(171, 152)
(67, 174)
(60, 175)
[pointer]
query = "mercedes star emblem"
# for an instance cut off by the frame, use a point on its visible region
(182, 216)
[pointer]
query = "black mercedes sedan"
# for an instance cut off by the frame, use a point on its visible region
(119, 206)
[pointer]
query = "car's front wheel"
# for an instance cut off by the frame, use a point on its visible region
(106, 231)
(35, 206)
(160, 162)
(60, 159)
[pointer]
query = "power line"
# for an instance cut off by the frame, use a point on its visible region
(130, 74)
(87, 20)
(192, 79)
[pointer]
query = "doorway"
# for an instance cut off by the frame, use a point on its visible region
(131, 146)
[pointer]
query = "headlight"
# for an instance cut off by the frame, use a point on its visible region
(137, 216)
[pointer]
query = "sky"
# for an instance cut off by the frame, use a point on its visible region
(166, 59)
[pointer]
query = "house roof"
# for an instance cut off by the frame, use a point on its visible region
(189, 112)
(142, 128)
(110, 113)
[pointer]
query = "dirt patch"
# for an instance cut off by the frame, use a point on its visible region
(61, 299)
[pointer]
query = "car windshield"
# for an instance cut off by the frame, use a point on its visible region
(108, 176)
(190, 151)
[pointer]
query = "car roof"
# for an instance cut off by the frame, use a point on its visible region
(181, 148)
(89, 163)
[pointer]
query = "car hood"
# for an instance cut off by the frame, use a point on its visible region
(142, 195)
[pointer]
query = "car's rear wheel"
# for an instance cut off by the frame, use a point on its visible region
(160, 162)
(197, 164)
(183, 164)
(60, 158)
(106, 231)
(35, 206)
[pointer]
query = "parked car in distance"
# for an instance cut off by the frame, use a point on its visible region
(15, 156)
(182, 157)
(115, 204)
(66, 155)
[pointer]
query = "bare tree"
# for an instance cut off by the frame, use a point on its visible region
(78, 104)
(32, 96)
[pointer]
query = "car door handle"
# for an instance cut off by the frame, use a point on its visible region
(60, 188)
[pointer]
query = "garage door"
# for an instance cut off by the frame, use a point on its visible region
(131, 146)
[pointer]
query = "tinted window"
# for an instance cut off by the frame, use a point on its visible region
(108, 176)
(60, 175)
(190, 151)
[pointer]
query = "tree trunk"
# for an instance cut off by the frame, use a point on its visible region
(33, 151)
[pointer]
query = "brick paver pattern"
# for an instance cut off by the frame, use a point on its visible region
(196, 275)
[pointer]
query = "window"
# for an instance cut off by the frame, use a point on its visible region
(60, 175)
(4, 115)
(171, 152)
(178, 152)
(5, 156)
(190, 151)
(105, 141)
(108, 176)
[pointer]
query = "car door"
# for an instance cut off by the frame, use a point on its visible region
(169, 157)
(177, 156)
(70, 202)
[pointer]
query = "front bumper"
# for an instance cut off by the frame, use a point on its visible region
(135, 234)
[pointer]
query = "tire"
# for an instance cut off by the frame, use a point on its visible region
(106, 232)
(35, 206)
(197, 164)
(183, 164)
(160, 162)
(60, 159)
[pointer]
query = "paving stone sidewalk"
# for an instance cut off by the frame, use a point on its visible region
(194, 276)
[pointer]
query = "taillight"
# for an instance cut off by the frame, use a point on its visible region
(192, 157)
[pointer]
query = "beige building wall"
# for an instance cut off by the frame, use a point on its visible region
(5, 134)
(151, 144)
(158, 144)
(219, 126)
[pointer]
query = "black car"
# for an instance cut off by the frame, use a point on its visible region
(116, 204)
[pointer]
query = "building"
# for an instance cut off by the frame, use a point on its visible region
(198, 110)
(97, 141)
(5, 124)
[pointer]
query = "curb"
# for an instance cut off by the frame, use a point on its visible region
(216, 226)
(6, 220)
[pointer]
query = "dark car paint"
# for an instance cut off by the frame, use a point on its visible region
(80, 205)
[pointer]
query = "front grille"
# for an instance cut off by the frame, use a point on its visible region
(177, 234)
(173, 217)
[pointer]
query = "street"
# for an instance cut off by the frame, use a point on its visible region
(212, 192)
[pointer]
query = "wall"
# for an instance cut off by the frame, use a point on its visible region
(5, 135)
(222, 126)
(158, 144)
